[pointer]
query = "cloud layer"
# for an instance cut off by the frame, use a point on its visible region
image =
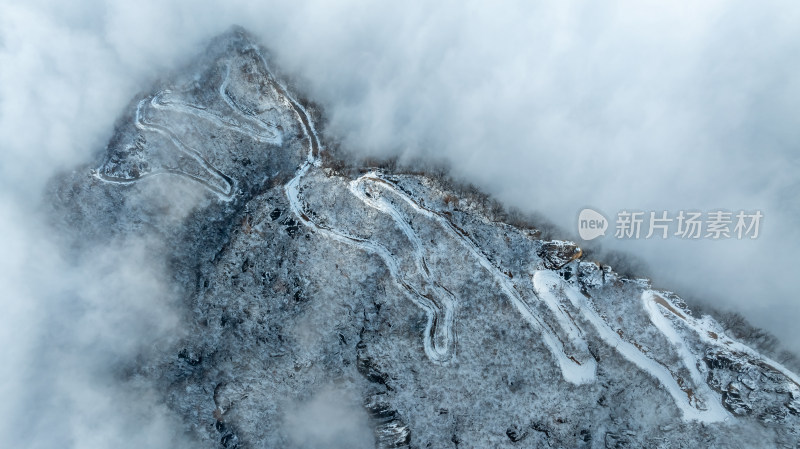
(551, 108)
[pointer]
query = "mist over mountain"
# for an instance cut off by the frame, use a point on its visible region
(629, 105)
(133, 176)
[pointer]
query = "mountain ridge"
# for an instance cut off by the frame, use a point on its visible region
(385, 291)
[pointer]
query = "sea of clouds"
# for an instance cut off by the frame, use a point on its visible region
(550, 107)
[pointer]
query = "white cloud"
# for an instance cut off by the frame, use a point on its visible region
(552, 108)
(331, 418)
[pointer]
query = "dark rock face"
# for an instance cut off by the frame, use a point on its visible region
(515, 434)
(390, 429)
(323, 310)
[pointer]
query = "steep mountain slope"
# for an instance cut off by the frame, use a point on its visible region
(326, 310)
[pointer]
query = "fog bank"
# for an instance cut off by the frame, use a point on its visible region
(550, 108)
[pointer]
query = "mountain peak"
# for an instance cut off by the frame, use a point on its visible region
(428, 320)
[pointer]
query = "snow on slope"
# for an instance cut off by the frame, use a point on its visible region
(549, 284)
(563, 329)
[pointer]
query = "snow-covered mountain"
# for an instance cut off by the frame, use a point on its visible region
(320, 295)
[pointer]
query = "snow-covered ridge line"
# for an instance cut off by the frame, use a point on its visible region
(439, 337)
(685, 398)
(578, 367)
(248, 125)
(710, 334)
(271, 134)
(690, 362)
(565, 336)
(218, 183)
(440, 301)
